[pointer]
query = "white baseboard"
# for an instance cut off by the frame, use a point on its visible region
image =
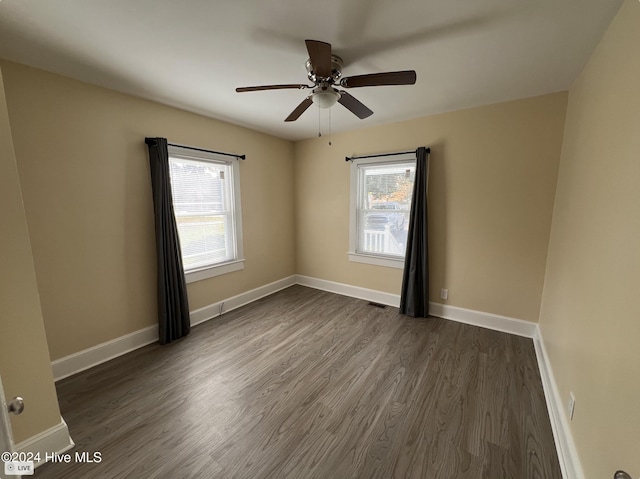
(461, 315)
(381, 297)
(54, 440)
(567, 452)
(484, 320)
(88, 358)
(213, 310)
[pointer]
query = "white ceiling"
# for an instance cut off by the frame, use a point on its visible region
(193, 53)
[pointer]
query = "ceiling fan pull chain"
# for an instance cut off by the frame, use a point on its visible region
(329, 126)
(319, 129)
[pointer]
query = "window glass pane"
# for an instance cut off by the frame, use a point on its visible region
(383, 207)
(202, 203)
(203, 240)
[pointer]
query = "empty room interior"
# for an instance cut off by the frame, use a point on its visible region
(345, 239)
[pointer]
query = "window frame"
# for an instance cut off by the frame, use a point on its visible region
(354, 193)
(237, 263)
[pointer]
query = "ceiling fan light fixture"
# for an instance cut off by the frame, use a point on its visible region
(325, 98)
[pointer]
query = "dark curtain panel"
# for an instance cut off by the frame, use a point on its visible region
(173, 305)
(414, 297)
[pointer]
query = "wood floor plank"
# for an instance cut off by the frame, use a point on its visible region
(308, 384)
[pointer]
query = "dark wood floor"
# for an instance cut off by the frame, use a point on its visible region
(308, 384)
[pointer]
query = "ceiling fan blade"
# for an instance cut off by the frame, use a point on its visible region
(406, 77)
(271, 87)
(320, 56)
(354, 106)
(300, 109)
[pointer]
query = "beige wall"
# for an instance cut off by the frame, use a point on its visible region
(85, 180)
(24, 357)
(590, 315)
(491, 189)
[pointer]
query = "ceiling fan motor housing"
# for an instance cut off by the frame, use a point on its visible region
(336, 71)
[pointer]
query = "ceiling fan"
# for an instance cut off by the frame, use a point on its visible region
(325, 71)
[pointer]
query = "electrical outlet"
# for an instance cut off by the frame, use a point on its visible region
(571, 405)
(444, 294)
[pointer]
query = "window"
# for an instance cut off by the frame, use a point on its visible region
(381, 190)
(206, 203)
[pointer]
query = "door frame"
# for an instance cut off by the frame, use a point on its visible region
(6, 436)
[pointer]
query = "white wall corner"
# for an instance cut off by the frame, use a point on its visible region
(565, 445)
(53, 440)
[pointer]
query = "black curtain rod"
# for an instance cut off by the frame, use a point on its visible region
(351, 158)
(242, 157)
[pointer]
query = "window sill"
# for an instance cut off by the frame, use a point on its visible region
(377, 260)
(211, 271)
